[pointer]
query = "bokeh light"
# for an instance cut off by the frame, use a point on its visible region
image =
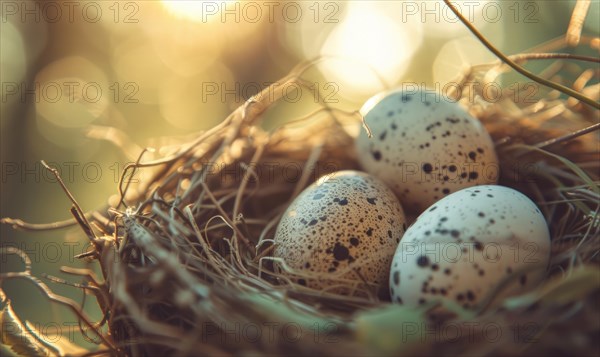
(190, 103)
(200, 11)
(457, 56)
(71, 92)
(370, 48)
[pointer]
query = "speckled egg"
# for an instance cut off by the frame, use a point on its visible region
(477, 245)
(342, 230)
(424, 147)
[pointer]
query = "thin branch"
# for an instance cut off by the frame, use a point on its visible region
(566, 90)
(547, 56)
(569, 136)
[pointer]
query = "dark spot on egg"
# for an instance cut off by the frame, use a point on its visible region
(452, 168)
(376, 155)
(427, 168)
(302, 282)
(340, 252)
(454, 233)
(354, 241)
(313, 222)
(369, 232)
(478, 246)
(435, 267)
(343, 202)
(396, 277)
(472, 155)
(371, 200)
(445, 191)
(470, 296)
(423, 261)
(318, 196)
(382, 136)
(473, 175)
(398, 300)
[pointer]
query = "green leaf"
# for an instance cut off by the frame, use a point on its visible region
(285, 313)
(391, 329)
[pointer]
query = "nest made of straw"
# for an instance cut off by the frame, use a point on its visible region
(185, 253)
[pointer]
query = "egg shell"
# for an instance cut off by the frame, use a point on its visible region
(345, 221)
(424, 147)
(478, 243)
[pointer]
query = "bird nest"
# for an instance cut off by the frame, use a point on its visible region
(185, 252)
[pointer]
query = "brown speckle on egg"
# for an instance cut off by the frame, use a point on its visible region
(434, 135)
(340, 224)
(458, 244)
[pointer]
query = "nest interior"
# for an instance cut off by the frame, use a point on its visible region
(185, 253)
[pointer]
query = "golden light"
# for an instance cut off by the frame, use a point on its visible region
(370, 44)
(137, 80)
(457, 56)
(198, 11)
(70, 92)
(194, 103)
(306, 36)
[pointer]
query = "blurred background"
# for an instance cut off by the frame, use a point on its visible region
(157, 69)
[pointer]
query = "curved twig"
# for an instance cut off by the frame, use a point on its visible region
(559, 87)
